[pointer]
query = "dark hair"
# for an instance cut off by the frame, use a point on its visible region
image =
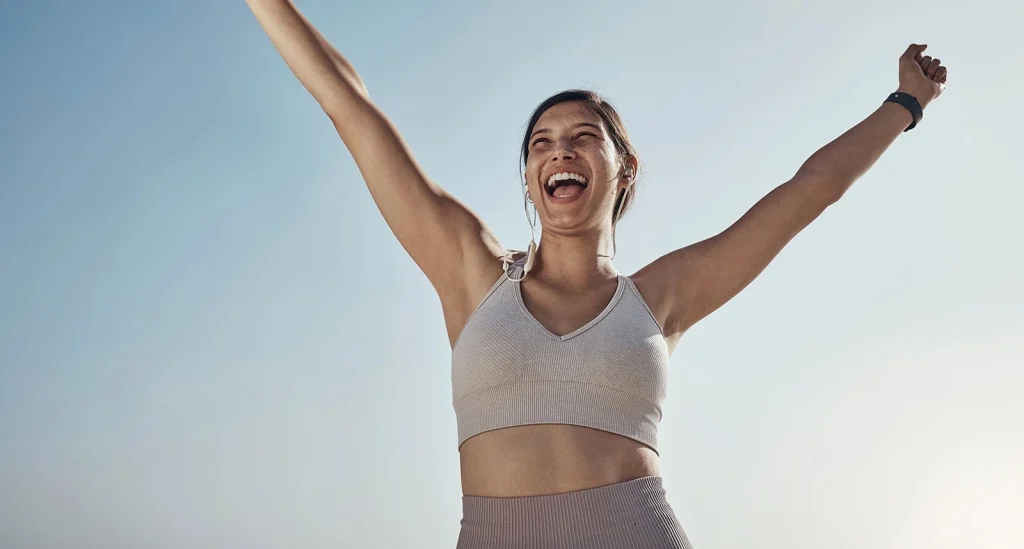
(613, 123)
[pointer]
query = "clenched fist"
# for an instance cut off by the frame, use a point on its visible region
(921, 76)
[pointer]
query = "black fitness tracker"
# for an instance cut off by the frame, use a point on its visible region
(911, 103)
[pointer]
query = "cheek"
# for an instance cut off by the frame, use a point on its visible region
(598, 151)
(533, 167)
(532, 187)
(600, 161)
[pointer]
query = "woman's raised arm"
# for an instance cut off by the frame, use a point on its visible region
(445, 239)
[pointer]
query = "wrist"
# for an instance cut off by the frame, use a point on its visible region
(900, 112)
(920, 95)
(910, 105)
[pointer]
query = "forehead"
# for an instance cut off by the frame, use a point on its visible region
(568, 114)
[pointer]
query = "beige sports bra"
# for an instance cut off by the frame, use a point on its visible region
(610, 374)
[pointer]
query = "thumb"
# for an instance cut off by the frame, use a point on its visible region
(914, 50)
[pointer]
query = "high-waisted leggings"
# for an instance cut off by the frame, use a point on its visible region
(628, 515)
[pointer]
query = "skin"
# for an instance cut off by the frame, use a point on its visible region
(572, 279)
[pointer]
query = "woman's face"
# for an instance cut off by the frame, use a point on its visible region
(573, 171)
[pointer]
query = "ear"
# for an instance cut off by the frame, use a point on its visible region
(627, 173)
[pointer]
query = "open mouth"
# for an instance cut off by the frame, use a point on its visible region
(565, 184)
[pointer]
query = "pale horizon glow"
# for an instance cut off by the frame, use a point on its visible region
(210, 338)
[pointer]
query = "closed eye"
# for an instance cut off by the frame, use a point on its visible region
(584, 133)
(538, 140)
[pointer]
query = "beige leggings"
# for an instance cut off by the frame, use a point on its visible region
(627, 515)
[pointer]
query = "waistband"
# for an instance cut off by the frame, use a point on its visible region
(634, 514)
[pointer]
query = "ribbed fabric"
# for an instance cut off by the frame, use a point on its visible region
(628, 515)
(610, 374)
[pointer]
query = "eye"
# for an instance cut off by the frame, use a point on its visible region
(539, 140)
(584, 133)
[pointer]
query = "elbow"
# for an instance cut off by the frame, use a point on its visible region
(341, 104)
(825, 189)
(334, 110)
(836, 189)
(831, 193)
(340, 95)
(836, 195)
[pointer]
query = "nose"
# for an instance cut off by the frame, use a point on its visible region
(563, 152)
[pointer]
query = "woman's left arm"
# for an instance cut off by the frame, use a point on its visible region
(702, 277)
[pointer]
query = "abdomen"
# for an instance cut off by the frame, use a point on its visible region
(531, 460)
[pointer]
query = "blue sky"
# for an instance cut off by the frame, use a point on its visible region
(210, 338)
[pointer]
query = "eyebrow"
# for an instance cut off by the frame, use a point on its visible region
(547, 130)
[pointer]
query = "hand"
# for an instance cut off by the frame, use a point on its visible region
(921, 76)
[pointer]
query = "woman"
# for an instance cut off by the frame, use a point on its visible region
(559, 362)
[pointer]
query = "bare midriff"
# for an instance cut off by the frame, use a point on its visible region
(535, 460)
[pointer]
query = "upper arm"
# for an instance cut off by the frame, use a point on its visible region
(445, 239)
(700, 278)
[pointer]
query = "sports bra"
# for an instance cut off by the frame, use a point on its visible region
(610, 374)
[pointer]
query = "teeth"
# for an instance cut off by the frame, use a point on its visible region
(565, 175)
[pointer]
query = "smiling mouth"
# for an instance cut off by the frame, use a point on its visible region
(565, 184)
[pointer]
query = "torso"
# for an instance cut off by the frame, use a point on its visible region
(530, 460)
(533, 460)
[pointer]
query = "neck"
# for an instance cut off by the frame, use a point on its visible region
(574, 261)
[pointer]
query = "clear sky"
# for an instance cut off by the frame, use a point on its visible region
(210, 338)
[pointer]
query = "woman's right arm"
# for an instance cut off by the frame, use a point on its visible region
(445, 239)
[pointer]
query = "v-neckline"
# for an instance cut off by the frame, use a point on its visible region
(607, 309)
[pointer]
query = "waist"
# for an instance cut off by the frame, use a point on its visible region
(532, 460)
(634, 514)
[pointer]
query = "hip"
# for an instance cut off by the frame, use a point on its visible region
(634, 514)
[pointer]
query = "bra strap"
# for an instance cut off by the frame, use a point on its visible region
(510, 266)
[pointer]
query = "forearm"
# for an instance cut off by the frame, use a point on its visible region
(320, 68)
(850, 155)
(340, 62)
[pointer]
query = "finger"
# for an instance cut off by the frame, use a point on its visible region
(924, 62)
(933, 67)
(940, 75)
(914, 50)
